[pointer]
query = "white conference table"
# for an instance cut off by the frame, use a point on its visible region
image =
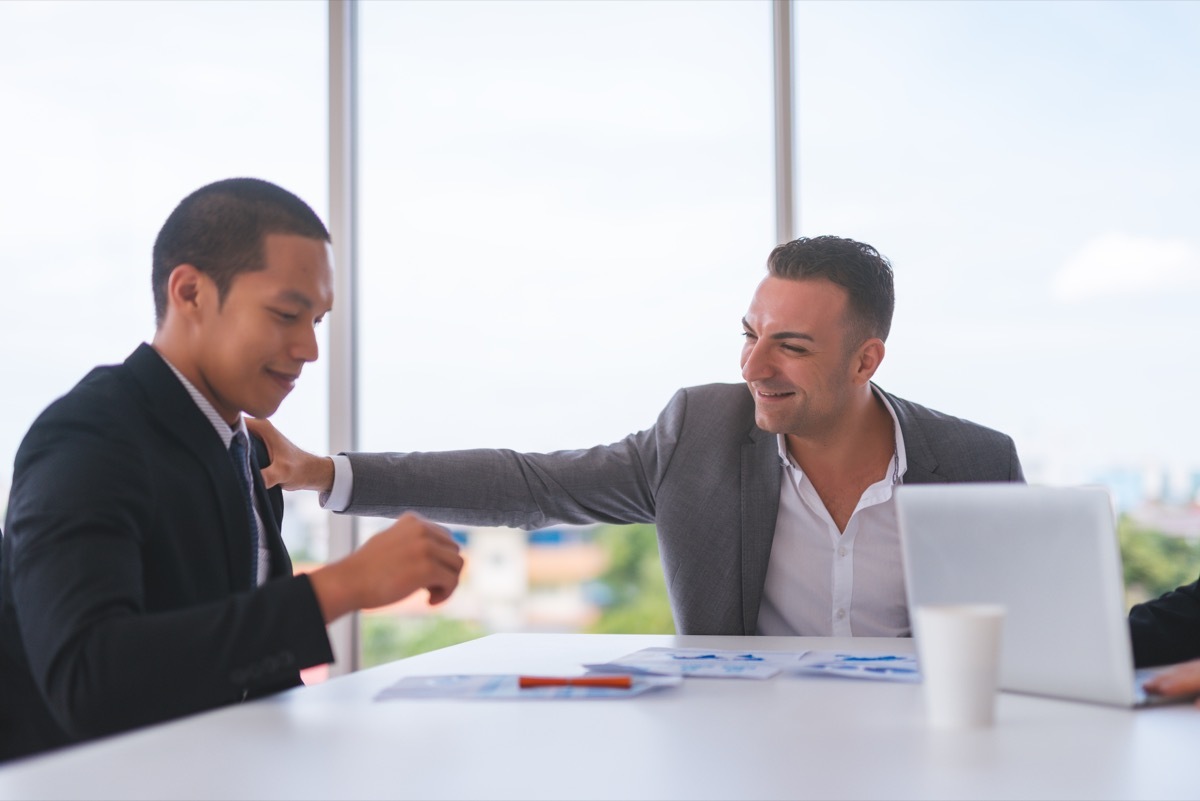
(785, 737)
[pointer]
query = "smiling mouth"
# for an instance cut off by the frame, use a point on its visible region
(288, 379)
(761, 393)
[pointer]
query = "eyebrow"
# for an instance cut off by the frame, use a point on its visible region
(293, 296)
(782, 334)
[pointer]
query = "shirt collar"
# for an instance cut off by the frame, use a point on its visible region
(218, 423)
(899, 460)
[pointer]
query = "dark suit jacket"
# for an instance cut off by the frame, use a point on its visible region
(705, 475)
(1167, 629)
(126, 594)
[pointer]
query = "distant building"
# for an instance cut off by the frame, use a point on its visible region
(1129, 486)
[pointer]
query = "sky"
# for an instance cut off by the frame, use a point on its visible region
(1029, 169)
(566, 206)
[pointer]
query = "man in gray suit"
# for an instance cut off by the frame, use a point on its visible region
(772, 500)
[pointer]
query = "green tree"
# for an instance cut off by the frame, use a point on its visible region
(386, 638)
(635, 579)
(1155, 562)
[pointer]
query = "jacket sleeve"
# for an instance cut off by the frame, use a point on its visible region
(1167, 629)
(606, 484)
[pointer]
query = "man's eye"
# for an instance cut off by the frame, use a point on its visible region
(748, 335)
(287, 317)
(794, 349)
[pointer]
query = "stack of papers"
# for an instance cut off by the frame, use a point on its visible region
(702, 663)
(508, 686)
(657, 668)
(877, 667)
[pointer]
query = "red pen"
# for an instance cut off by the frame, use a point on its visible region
(619, 682)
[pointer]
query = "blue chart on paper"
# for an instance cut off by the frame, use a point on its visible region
(697, 663)
(880, 667)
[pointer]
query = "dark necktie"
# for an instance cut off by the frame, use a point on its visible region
(241, 463)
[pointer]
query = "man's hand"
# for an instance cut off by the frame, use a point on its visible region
(290, 466)
(411, 554)
(1183, 679)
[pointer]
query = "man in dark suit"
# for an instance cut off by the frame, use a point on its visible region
(142, 573)
(773, 499)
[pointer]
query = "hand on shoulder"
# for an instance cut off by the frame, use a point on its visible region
(291, 467)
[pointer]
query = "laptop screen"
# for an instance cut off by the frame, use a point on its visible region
(1050, 556)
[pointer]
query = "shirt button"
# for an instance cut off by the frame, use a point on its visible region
(841, 551)
(841, 613)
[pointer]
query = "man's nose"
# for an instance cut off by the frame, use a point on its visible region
(305, 347)
(756, 365)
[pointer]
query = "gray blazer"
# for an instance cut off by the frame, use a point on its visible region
(705, 475)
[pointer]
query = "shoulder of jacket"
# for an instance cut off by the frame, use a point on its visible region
(911, 413)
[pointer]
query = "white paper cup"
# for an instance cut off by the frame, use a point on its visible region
(958, 648)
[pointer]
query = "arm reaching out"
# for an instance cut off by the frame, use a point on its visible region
(410, 555)
(291, 467)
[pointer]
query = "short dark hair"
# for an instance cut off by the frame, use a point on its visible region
(856, 267)
(220, 228)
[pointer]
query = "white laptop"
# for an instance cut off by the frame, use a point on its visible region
(1050, 556)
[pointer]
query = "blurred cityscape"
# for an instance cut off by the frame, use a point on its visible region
(1156, 498)
(568, 579)
(548, 581)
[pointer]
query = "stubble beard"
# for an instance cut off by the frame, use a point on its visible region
(793, 420)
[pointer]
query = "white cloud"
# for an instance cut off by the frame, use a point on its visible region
(1116, 264)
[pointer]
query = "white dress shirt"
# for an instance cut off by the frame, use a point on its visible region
(343, 485)
(826, 583)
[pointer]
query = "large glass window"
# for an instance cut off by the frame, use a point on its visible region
(113, 113)
(1028, 168)
(565, 208)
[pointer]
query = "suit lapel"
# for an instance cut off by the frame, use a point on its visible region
(922, 464)
(760, 508)
(179, 417)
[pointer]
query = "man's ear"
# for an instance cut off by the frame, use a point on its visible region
(186, 287)
(867, 359)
